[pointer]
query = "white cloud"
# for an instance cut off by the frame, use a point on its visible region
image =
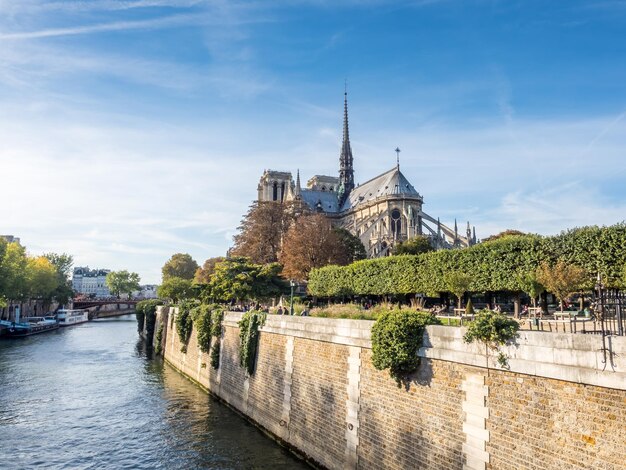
(121, 187)
(155, 23)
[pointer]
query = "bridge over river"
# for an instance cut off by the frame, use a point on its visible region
(103, 308)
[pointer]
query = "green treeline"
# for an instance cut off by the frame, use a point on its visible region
(24, 277)
(498, 265)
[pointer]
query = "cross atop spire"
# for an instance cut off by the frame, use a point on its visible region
(398, 156)
(346, 171)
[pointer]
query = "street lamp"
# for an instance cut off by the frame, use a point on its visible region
(292, 285)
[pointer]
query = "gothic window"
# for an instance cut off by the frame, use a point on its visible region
(323, 188)
(275, 192)
(282, 191)
(396, 223)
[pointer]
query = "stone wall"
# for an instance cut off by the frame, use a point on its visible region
(314, 387)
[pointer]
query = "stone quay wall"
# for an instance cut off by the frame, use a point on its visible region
(558, 406)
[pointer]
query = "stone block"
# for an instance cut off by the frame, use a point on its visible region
(475, 453)
(476, 432)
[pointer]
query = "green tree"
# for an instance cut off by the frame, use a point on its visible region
(237, 278)
(124, 282)
(415, 246)
(530, 284)
(176, 289)
(63, 265)
(13, 273)
(41, 277)
(180, 265)
(562, 279)
(458, 283)
(352, 248)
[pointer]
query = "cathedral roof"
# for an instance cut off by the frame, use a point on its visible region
(390, 183)
(327, 199)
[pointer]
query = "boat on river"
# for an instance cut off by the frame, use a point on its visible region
(67, 317)
(28, 326)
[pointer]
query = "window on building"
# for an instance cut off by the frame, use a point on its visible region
(396, 223)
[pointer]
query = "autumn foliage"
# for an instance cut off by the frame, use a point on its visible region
(262, 229)
(311, 243)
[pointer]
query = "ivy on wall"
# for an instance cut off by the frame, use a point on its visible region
(249, 338)
(184, 323)
(140, 316)
(397, 336)
(145, 312)
(217, 317)
(201, 317)
(159, 339)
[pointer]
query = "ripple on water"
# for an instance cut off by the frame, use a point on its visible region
(88, 397)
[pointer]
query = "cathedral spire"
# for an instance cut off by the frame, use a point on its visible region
(346, 171)
(298, 189)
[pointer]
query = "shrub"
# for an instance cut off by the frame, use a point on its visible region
(397, 337)
(493, 329)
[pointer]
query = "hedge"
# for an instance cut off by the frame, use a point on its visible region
(495, 265)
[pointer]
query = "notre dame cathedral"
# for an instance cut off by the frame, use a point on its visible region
(382, 212)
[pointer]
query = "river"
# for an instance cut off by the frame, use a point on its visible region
(90, 397)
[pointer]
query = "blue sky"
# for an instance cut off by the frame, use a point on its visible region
(134, 129)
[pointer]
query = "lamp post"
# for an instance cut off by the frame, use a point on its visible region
(292, 285)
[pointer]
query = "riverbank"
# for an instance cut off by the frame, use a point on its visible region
(315, 389)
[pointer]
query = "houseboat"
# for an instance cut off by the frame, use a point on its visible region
(28, 326)
(68, 317)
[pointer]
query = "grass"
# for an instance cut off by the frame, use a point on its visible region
(356, 312)
(352, 311)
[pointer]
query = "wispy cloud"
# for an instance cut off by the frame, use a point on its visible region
(163, 22)
(42, 6)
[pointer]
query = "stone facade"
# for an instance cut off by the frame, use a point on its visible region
(314, 387)
(90, 282)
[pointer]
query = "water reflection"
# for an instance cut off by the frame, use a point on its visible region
(90, 397)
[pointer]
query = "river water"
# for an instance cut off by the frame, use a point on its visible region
(89, 397)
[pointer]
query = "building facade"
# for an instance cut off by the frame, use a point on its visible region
(382, 212)
(10, 239)
(90, 282)
(148, 291)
